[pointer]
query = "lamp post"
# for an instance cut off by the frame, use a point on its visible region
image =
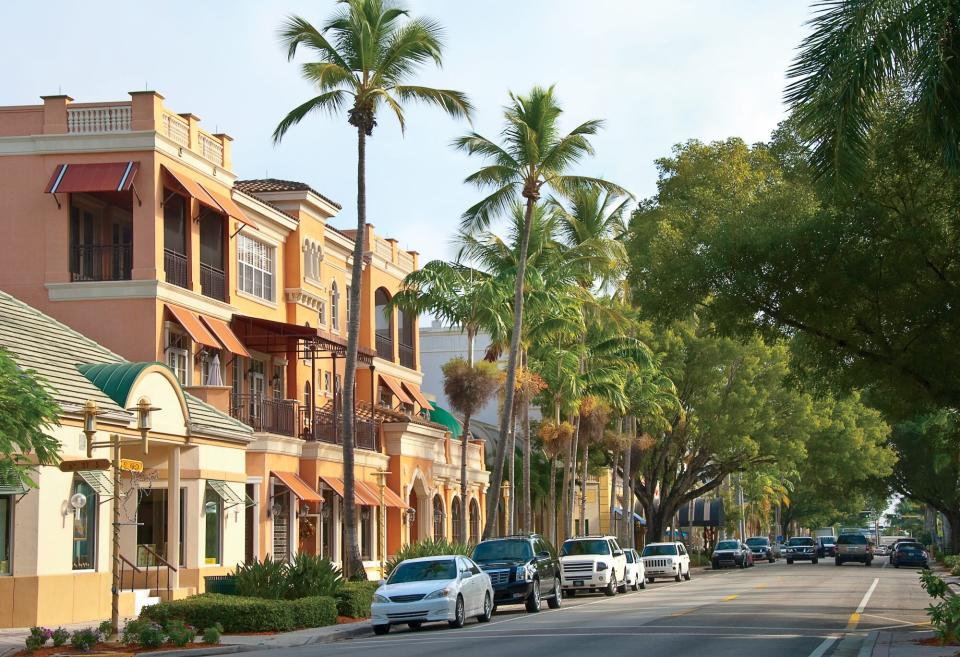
(505, 490)
(382, 523)
(144, 424)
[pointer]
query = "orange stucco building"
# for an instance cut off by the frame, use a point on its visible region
(125, 221)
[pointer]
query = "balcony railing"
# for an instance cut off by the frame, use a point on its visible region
(406, 356)
(177, 129)
(266, 415)
(103, 118)
(212, 282)
(324, 431)
(211, 149)
(384, 346)
(101, 262)
(175, 266)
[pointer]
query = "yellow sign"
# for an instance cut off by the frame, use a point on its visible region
(131, 466)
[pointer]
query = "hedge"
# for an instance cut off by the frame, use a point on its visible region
(241, 614)
(354, 598)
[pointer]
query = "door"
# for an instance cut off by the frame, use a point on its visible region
(468, 586)
(548, 574)
(249, 527)
(258, 384)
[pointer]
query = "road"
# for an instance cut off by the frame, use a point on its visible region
(801, 610)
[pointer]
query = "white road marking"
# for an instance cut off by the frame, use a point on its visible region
(866, 596)
(820, 650)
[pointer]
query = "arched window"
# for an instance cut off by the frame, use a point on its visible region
(474, 521)
(306, 394)
(334, 307)
(439, 516)
(456, 513)
(384, 325)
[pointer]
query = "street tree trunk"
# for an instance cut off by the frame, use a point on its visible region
(512, 455)
(572, 484)
(627, 505)
(354, 564)
(553, 501)
(527, 517)
(464, 440)
(615, 525)
(583, 487)
(496, 478)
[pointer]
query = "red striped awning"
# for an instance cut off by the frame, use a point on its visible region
(101, 177)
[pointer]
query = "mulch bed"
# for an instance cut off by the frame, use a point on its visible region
(49, 651)
(934, 641)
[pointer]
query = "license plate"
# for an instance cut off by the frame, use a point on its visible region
(578, 582)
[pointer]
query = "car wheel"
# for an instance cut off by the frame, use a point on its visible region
(380, 630)
(715, 565)
(533, 600)
(611, 586)
(814, 561)
(868, 563)
(838, 562)
(742, 564)
(458, 614)
(643, 582)
(557, 598)
(687, 575)
(650, 580)
(487, 609)
(572, 593)
(789, 562)
(414, 625)
(678, 577)
(622, 588)
(636, 583)
(771, 560)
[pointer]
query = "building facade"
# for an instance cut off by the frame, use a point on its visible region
(125, 221)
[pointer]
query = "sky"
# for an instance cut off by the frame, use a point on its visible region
(658, 72)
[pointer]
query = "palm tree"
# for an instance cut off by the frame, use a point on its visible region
(861, 50)
(534, 154)
(366, 54)
(468, 386)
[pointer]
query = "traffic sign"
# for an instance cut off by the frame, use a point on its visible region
(130, 465)
(77, 465)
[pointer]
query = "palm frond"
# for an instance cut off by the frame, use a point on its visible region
(330, 102)
(454, 103)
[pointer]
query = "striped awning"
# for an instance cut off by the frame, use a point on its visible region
(226, 335)
(227, 494)
(396, 388)
(99, 177)
(297, 486)
(415, 392)
(98, 481)
(191, 323)
(701, 513)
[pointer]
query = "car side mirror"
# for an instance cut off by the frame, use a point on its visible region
(618, 553)
(381, 582)
(543, 555)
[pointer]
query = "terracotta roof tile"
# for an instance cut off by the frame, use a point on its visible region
(266, 185)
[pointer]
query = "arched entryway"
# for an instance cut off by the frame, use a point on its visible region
(414, 521)
(474, 521)
(456, 516)
(439, 518)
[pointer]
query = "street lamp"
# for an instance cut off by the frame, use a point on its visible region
(144, 424)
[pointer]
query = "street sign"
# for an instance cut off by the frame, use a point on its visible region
(129, 465)
(78, 465)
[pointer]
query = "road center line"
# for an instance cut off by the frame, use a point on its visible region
(854, 619)
(731, 597)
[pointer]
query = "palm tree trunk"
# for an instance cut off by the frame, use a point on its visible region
(615, 526)
(496, 479)
(583, 487)
(512, 525)
(572, 483)
(464, 439)
(353, 562)
(527, 518)
(553, 500)
(565, 493)
(627, 505)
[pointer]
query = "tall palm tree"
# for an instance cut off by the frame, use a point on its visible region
(534, 154)
(858, 51)
(366, 54)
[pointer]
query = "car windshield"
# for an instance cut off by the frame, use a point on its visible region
(659, 550)
(801, 540)
(758, 542)
(598, 546)
(491, 551)
(909, 546)
(423, 571)
(852, 539)
(828, 540)
(727, 545)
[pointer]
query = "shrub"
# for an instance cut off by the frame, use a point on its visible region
(130, 634)
(263, 579)
(105, 628)
(311, 576)
(179, 633)
(355, 598)
(316, 611)
(84, 640)
(944, 615)
(426, 548)
(60, 636)
(212, 634)
(37, 638)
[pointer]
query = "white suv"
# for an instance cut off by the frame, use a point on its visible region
(666, 560)
(592, 563)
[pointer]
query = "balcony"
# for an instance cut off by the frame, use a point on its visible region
(213, 282)
(175, 266)
(384, 346)
(406, 356)
(324, 431)
(277, 416)
(101, 262)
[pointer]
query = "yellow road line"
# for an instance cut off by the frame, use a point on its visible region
(853, 621)
(684, 612)
(761, 586)
(731, 597)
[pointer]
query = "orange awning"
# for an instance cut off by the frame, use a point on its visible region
(415, 392)
(194, 189)
(396, 388)
(94, 177)
(298, 486)
(229, 207)
(365, 494)
(226, 335)
(191, 323)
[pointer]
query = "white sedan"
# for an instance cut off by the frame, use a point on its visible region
(634, 575)
(445, 588)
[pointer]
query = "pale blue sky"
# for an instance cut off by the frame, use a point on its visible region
(658, 72)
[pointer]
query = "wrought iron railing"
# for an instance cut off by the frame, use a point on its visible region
(325, 431)
(176, 269)
(266, 415)
(213, 282)
(101, 262)
(406, 356)
(384, 346)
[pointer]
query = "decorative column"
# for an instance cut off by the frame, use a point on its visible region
(173, 515)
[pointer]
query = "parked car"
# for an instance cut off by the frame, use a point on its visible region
(593, 563)
(636, 576)
(800, 548)
(909, 553)
(523, 570)
(731, 553)
(761, 549)
(446, 588)
(826, 546)
(853, 547)
(881, 550)
(666, 560)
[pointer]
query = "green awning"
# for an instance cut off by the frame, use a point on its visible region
(442, 416)
(12, 484)
(115, 379)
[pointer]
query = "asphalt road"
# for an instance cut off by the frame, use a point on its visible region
(801, 610)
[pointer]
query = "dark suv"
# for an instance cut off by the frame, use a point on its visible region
(523, 570)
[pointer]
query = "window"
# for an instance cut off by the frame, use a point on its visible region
(306, 394)
(322, 312)
(326, 382)
(6, 533)
(178, 356)
(348, 304)
(237, 381)
(84, 527)
(174, 224)
(439, 529)
(277, 381)
(334, 307)
(255, 267)
(456, 514)
(213, 516)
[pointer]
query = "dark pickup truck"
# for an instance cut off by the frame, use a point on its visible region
(800, 548)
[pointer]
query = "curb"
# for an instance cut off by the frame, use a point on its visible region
(352, 631)
(869, 643)
(197, 652)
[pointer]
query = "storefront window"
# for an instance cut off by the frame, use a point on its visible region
(6, 533)
(84, 527)
(213, 513)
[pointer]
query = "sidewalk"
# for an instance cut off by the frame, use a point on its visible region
(904, 644)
